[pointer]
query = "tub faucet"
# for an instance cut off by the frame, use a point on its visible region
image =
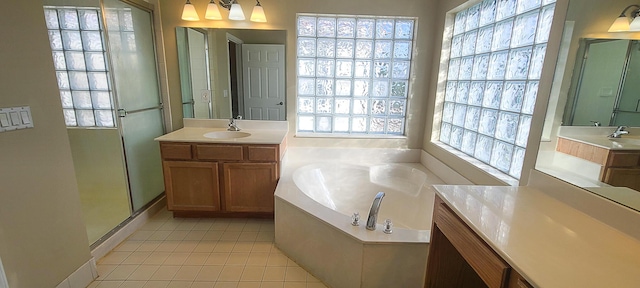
(621, 130)
(232, 124)
(373, 213)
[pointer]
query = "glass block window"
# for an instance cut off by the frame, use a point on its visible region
(497, 51)
(79, 57)
(353, 74)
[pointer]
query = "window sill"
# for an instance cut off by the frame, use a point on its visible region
(501, 176)
(348, 136)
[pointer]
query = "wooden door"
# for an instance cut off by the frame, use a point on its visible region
(192, 186)
(249, 187)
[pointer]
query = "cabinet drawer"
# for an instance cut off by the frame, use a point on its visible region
(516, 281)
(489, 266)
(219, 152)
(624, 159)
(263, 153)
(176, 151)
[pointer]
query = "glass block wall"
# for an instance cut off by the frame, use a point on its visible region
(497, 52)
(79, 57)
(353, 74)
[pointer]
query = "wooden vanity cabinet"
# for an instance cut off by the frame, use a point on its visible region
(249, 187)
(458, 257)
(192, 186)
(622, 169)
(221, 180)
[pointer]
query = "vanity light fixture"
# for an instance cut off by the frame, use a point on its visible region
(258, 13)
(623, 23)
(189, 12)
(213, 13)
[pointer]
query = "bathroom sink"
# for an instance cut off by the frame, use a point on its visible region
(226, 134)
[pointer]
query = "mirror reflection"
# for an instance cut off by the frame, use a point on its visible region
(227, 73)
(604, 88)
(595, 80)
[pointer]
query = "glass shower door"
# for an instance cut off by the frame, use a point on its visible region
(135, 75)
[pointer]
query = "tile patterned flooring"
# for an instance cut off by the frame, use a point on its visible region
(172, 252)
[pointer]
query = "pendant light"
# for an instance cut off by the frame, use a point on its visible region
(258, 13)
(189, 12)
(213, 13)
(236, 12)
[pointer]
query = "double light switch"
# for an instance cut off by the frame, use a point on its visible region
(15, 118)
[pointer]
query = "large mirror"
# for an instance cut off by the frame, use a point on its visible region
(595, 91)
(235, 73)
(604, 89)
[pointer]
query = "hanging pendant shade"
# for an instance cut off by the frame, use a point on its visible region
(213, 12)
(258, 13)
(189, 12)
(236, 12)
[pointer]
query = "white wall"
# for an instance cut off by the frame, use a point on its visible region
(42, 235)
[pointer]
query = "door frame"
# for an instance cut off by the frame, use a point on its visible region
(238, 75)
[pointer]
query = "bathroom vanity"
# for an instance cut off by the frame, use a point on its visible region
(522, 237)
(619, 157)
(212, 172)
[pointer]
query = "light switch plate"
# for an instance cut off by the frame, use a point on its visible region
(4, 120)
(15, 118)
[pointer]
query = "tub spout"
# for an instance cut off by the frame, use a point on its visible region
(373, 213)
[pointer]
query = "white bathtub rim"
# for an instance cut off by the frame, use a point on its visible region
(287, 191)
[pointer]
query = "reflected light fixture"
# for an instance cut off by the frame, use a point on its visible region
(623, 23)
(189, 12)
(213, 13)
(235, 11)
(258, 13)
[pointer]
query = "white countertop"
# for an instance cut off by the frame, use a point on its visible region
(262, 132)
(550, 243)
(599, 136)
(606, 142)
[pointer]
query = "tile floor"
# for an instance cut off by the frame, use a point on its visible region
(177, 252)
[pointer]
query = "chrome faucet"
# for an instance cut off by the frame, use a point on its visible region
(373, 213)
(232, 124)
(621, 130)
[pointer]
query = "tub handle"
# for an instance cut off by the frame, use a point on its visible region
(387, 226)
(355, 219)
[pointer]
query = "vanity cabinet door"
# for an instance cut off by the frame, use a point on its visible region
(192, 186)
(249, 187)
(458, 257)
(623, 177)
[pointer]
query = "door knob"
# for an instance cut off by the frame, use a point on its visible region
(281, 103)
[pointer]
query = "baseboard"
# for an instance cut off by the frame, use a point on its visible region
(129, 228)
(82, 277)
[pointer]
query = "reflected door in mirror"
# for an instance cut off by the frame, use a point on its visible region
(263, 77)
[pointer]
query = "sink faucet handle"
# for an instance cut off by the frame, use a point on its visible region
(596, 123)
